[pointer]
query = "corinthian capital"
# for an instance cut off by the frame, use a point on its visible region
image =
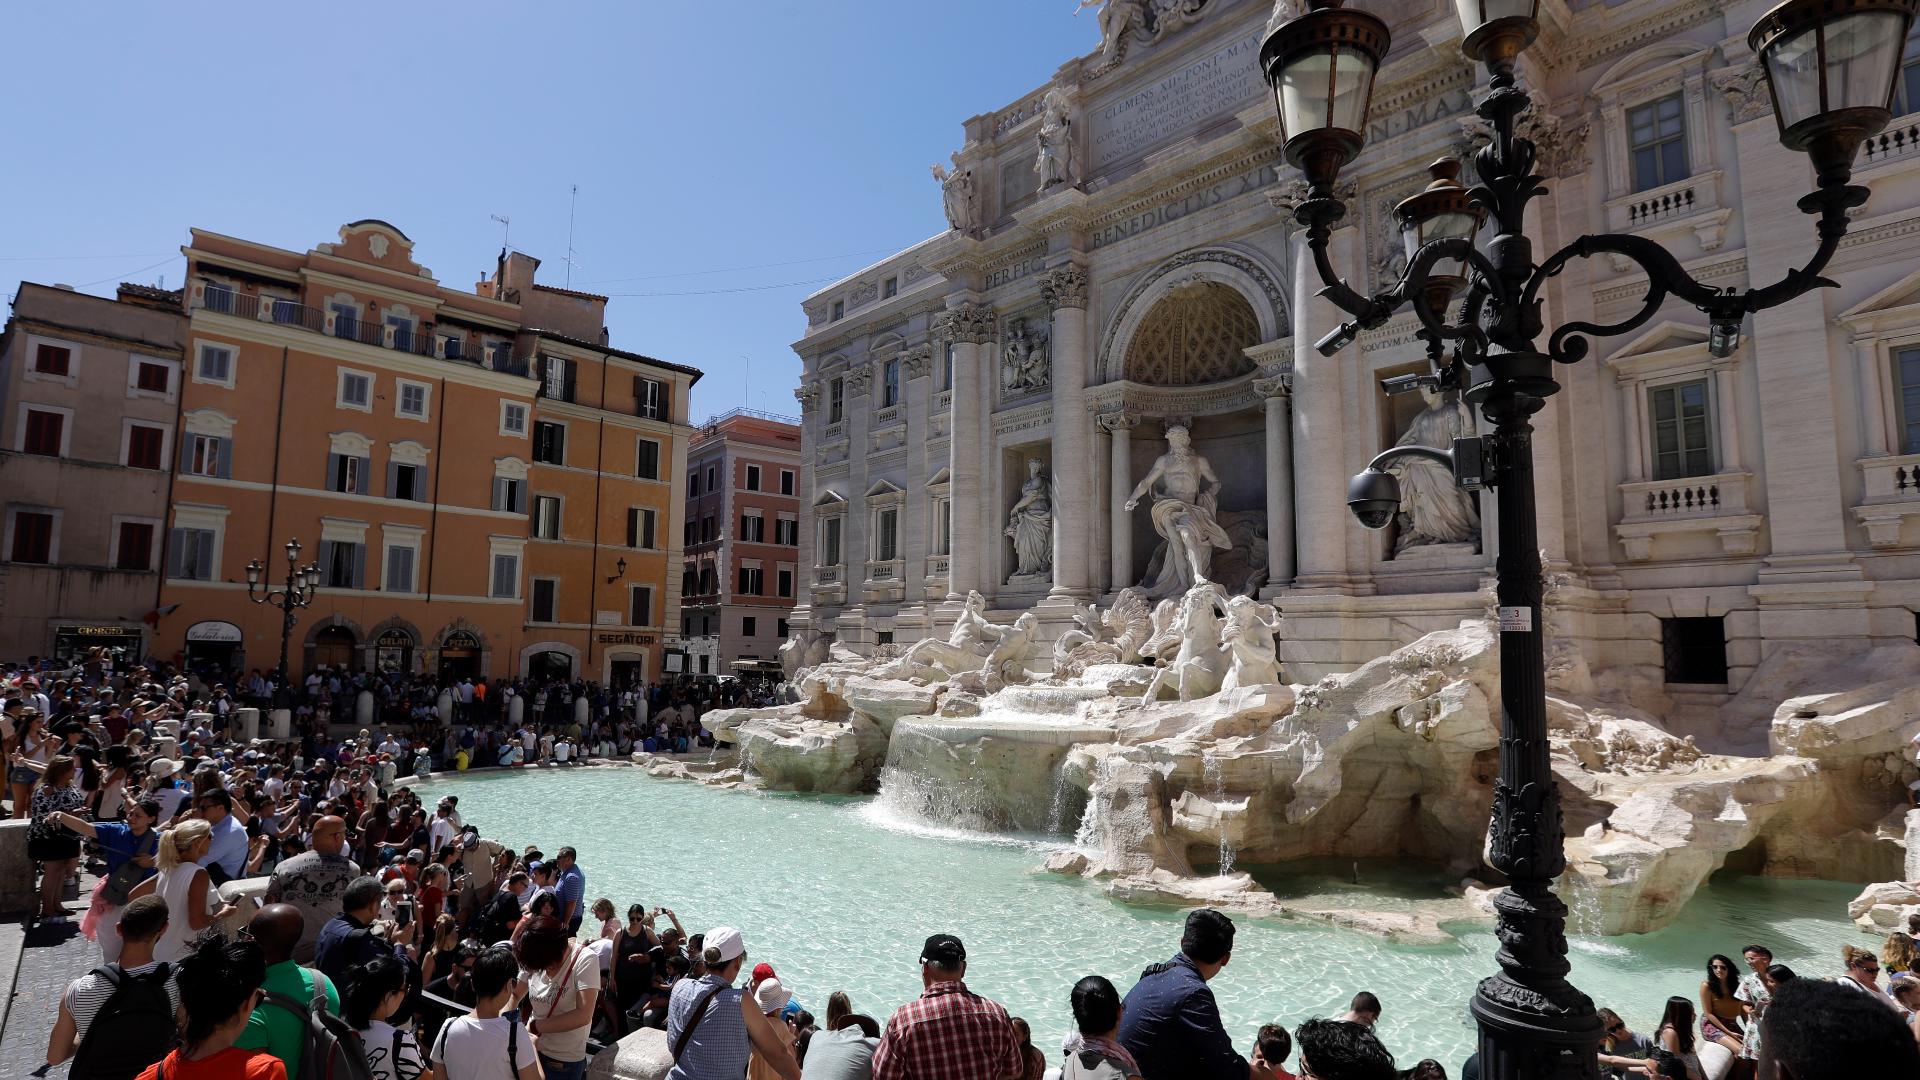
(1065, 287)
(967, 323)
(1278, 386)
(1115, 420)
(918, 361)
(807, 394)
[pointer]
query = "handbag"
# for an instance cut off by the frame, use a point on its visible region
(46, 840)
(128, 874)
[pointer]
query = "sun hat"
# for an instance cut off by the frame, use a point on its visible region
(771, 996)
(160, 768)
(726, 943)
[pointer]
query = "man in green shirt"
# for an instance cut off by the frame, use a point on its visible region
(278, 1031)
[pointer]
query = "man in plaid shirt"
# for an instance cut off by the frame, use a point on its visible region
(949, 1033)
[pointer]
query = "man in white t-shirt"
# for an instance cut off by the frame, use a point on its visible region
(442, 831)
(483, 1045)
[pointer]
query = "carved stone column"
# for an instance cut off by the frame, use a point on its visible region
(1278, 390)
(1119, 429)
(1065, 290)
(969, 326)
(1873, 402)
(1728, 393)
(808, 395)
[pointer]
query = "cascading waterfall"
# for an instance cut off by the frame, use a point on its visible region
(1216, 782)
(1087, 836)
(1057, 808)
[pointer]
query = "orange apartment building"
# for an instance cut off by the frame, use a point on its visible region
(742, 537)
(487, 487)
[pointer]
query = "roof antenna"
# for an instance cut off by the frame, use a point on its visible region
(572, 201)
(506, 230)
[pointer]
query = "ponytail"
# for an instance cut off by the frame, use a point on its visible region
(177, 841)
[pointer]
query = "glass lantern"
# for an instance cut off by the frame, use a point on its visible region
(1321, 66)
(1831, 65)
(1497, 30)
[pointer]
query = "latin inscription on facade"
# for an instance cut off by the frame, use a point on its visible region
(1214, 86)
(1014, 271)
(1438, 107)
(1176, 209)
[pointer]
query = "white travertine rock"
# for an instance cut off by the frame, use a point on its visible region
(643, 1055)
(1883, 908)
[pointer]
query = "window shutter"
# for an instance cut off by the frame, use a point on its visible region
(420, 483)
(359, 566)
(223, 454)
(203, 555)
(326, 562)
(186, 452)
(366, 474)
(393, 479)
(639, 395)
(176, 553)
(570, 371)
(633, 528)
(501, 497)
(647, 518)
(333, 471)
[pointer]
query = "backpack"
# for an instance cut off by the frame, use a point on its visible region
(332, 1050)
(133, 1029)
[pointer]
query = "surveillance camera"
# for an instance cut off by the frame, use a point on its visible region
(1374, 497)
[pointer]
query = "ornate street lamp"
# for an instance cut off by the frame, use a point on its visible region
(289, 598)
(1830, 66)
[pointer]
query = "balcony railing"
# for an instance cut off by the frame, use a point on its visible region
(413, 340)
(1715, 505)
(1667, 205)
(1897, 141)
(826, 575)
(1892, 501)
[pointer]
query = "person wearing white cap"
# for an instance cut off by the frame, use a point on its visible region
(771, 996)
(714, 1026)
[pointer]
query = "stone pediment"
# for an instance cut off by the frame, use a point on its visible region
(882, 489)
(830, 499)
(940, 479)
(1664, 343)
(1902, 298)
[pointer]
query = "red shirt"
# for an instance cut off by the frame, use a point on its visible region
(230, 1064)
(948, 1033)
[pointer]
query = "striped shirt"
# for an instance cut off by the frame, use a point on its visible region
(571, 885)
(87, 993)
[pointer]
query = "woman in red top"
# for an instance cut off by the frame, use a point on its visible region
(219, 986)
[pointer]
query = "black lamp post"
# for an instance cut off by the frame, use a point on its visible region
(1830, 65)
(289, 598)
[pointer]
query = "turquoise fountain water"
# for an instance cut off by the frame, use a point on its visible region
(839, 893)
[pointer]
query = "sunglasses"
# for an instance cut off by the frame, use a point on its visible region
(1617, 1029)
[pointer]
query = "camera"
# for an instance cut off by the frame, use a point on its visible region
(1374, 497)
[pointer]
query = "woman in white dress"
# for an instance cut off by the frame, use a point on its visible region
(192, 903)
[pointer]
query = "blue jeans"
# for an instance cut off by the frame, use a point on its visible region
(571, 1070)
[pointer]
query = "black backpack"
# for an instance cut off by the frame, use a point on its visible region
(331, 1050)
(134, 1028)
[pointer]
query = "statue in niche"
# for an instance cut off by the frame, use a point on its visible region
(1025, 365)
(1030, 526)
(1054, 162)
(956, 193)
(1433, 509)
(1248, 637)
(965, 648)
(1183, 514)
(1195, 670)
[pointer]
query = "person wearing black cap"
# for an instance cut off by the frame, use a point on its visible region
(1170, 1023)
(948, 1030)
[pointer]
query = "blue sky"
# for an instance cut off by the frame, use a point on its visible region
(716, 145)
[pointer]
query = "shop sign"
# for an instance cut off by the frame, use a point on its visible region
(215, 631)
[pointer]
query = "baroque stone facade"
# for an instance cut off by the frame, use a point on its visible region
(1702, 519)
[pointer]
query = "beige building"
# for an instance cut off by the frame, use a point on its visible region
(1121, 260)
(89, 405)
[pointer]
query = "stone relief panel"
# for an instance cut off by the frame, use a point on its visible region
(1025, 364)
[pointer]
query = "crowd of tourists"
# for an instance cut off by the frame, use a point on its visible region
(396, 940)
